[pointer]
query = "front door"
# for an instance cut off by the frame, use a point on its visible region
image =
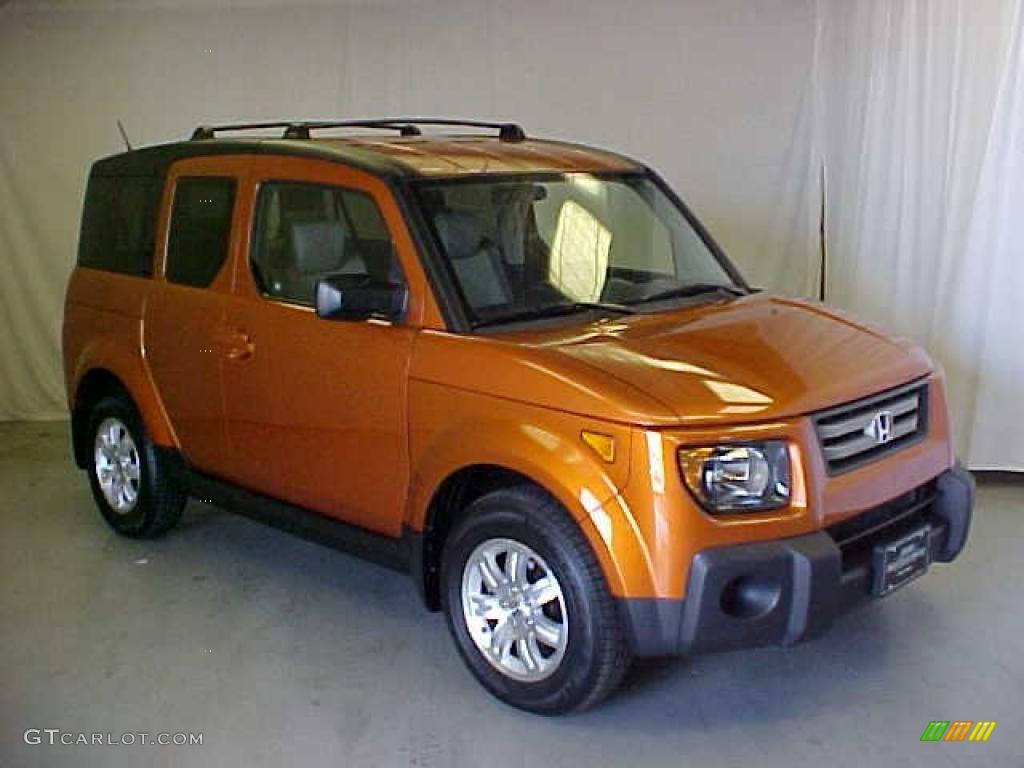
(316, 412)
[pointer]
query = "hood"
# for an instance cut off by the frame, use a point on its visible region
(757, 358)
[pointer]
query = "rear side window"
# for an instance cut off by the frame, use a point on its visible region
(118, 224)
(197, 244)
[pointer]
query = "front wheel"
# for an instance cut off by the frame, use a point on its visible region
(528, 606)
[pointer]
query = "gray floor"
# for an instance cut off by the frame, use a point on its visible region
(281, 652)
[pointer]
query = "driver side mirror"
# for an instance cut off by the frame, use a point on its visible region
(359, 297)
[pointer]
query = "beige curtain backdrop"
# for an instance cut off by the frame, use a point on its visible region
(711, 93)
(910, 110)
(922, 127)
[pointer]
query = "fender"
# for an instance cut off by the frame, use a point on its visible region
(103, 353)
(475, 430)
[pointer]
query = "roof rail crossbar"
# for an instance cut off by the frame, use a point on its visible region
(506, 131)
(209, 131)
(406, 126)
(299, 129)
(402, 126)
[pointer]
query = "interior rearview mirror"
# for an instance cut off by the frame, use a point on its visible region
(358, 297)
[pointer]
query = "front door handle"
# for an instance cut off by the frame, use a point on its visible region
(235, 344)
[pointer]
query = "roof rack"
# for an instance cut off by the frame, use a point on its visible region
(406, 126)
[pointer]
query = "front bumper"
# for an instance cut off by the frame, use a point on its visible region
(781, 591)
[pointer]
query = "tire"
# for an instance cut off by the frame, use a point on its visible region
(554, 672)
(150, 502)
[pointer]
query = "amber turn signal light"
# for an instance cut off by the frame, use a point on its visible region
(602, 445)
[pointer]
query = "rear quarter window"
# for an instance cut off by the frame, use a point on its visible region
(118, 224)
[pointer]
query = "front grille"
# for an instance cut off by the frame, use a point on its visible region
(850, 433)
(865, 527)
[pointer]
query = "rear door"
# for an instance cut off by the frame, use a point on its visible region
(316, 413)
(184, 335)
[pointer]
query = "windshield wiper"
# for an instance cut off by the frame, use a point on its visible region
(693, 289)
(555, 310)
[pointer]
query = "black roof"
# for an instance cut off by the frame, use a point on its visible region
(155, 160)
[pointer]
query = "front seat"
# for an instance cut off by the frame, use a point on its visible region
(318, 249)
(476, 262)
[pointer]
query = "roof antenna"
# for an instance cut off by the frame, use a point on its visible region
(124, 135)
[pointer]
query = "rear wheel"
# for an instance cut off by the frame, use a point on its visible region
(527, 604)
(132, 483)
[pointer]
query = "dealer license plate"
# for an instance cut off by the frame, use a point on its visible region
(899, 562)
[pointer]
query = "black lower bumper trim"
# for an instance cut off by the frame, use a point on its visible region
(782, 591)
(953, 506)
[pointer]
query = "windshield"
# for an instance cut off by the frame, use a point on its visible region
(520, 247)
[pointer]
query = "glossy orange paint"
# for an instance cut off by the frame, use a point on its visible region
(102, 332)
(182, 328)
(458, 155)
(524, 401)
(365, 421)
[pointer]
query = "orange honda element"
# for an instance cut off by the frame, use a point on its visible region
(520, 370)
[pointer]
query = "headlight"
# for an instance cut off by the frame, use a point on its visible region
(738, 478)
